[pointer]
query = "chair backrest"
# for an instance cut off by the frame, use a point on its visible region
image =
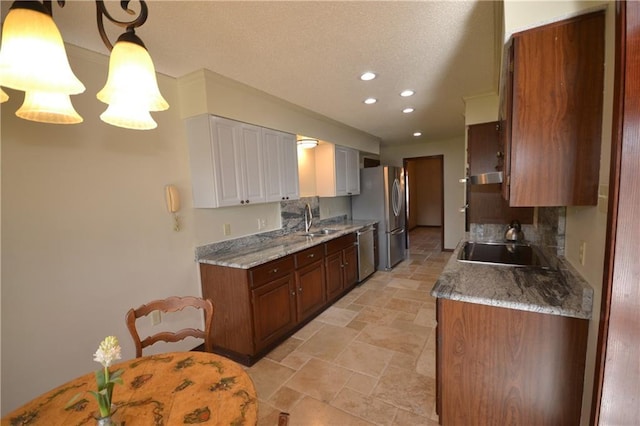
(171, 304)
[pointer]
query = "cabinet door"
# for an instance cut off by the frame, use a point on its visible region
(280, 166)
(310, 290)
(334, 274)
(227, 153)
(557, 113)
(341, 170)
(289, 153)
(272, 165)
(274, 311)
(251, 164)
(353, 172)
(350, 257)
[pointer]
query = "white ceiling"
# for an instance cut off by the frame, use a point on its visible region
(311, 53)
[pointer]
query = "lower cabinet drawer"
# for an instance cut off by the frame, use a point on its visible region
(309, 256)
(270, 271)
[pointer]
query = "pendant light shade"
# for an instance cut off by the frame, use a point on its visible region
(47, 107)
(132, 76)
(128, 116)
(3, 96)
(32, 55)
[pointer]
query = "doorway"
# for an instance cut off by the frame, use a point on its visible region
(424, 195)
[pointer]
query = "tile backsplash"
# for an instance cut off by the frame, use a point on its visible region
(549, 231)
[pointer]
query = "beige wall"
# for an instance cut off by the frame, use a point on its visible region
(86, 234)
(453, 151)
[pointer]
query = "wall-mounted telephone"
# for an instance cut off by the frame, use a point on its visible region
(172, 196)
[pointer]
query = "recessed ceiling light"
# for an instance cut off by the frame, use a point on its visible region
(370, 101)
(407, 110)
(367, 76)
(406, 93)
(416, 134)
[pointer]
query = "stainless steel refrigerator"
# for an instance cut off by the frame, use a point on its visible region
(382, 198)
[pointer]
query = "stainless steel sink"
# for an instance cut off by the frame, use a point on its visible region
(504, 254)
(318, 232)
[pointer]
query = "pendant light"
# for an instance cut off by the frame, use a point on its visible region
(48, 107)
(131, 90)
(33, 59)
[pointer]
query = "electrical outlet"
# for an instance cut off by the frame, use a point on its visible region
(582, 253)
(227, 229)
(156, 317)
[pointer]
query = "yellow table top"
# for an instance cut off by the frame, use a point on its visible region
(166, 389)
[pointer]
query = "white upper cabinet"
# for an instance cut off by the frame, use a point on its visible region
(337, 170)
(234, 163)
(281, 166)
(226, 162)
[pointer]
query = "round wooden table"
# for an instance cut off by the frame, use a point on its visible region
(168, 389)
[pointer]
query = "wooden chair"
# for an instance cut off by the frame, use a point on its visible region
(171, 304)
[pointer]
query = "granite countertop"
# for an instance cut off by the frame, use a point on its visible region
(558, 291)
(257, 253)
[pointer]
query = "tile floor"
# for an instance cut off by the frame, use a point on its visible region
(367, 360)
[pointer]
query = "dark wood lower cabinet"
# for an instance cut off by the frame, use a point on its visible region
(256, 309)
(499, 366)
(341, 265)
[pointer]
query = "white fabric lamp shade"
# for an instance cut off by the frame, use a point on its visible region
(32, 56)
(47, 107)
(132, 78)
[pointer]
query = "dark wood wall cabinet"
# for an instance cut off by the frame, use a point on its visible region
(484, 154)
(552, 113)
(500, 366)
(257, 308)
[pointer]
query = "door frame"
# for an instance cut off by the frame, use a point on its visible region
(407, 195)
(615, 378)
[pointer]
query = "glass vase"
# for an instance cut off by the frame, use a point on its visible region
(109, 420)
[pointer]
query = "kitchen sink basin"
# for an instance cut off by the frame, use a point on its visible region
(504, 254)
(318, 232)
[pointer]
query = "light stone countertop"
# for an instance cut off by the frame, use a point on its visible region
(247, 257)
(560, 291)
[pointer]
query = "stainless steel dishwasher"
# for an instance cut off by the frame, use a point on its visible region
(366, 260)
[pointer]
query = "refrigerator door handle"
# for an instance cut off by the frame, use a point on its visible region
(396, 197)
(397, 231)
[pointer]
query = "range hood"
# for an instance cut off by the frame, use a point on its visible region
(485, 178)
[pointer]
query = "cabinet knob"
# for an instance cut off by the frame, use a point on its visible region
(312, 255)
(342, 266)
(241, 201)
(346, 263)
(283, 198)
(274, 270)
(299, 289)
(293, 293)
(247, 201)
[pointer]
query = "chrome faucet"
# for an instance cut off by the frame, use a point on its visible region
(308, 217)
